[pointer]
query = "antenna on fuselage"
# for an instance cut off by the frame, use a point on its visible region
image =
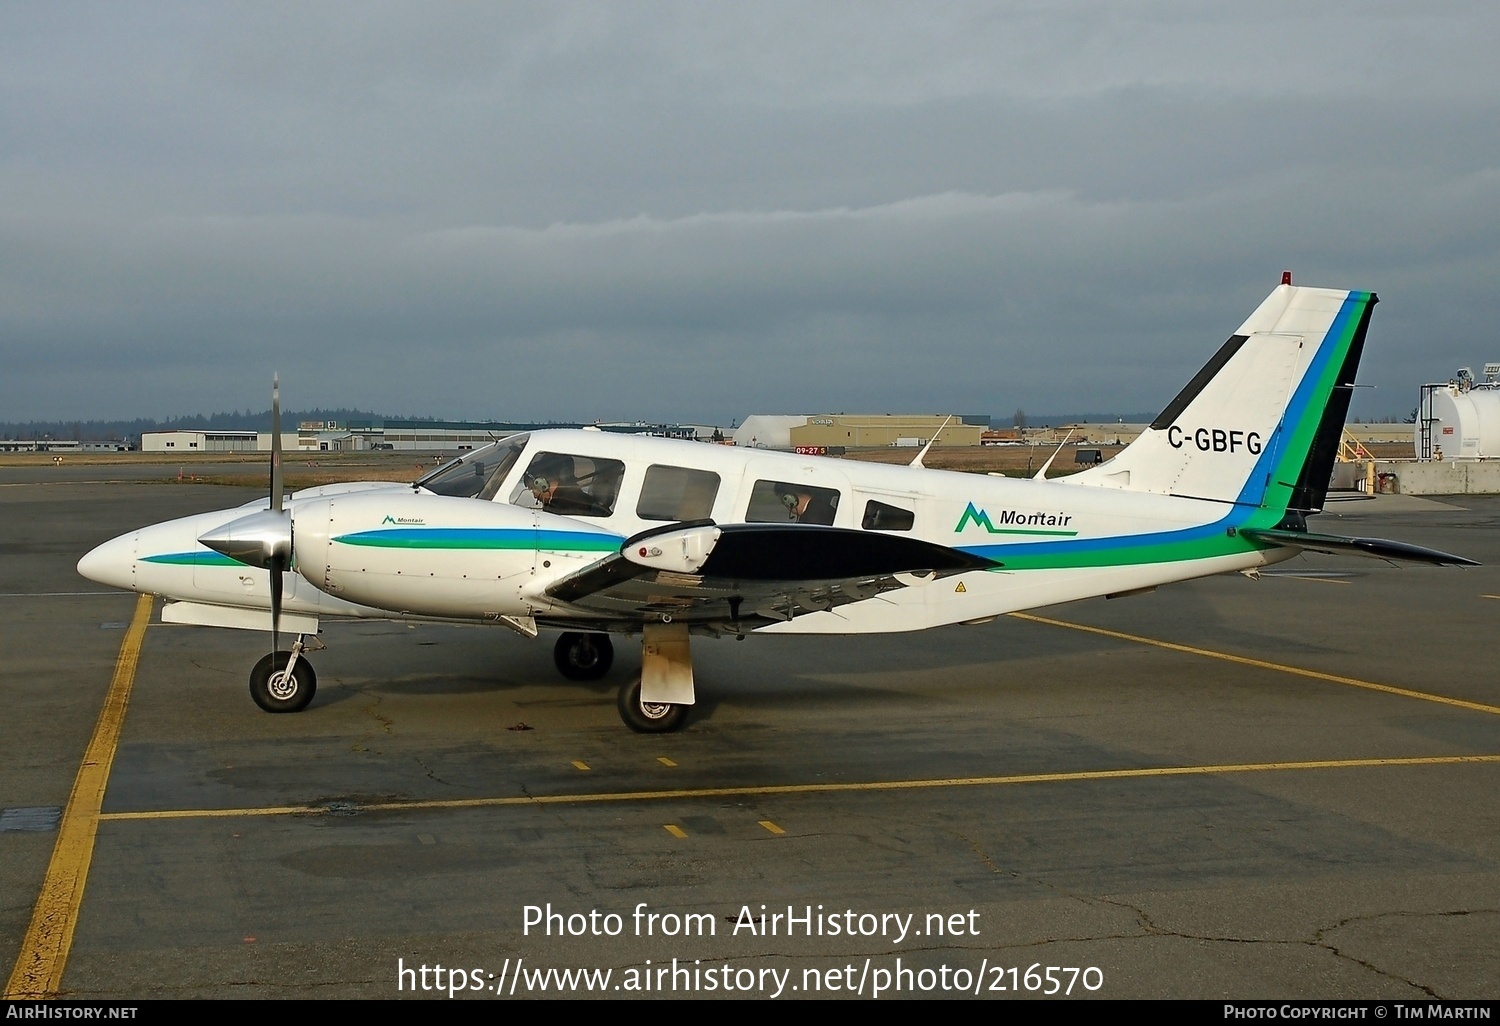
(917, 462)
(1041, 475)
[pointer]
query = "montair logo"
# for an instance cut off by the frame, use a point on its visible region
(402, 520)
(1013, 521)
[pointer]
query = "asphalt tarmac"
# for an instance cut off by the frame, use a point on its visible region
(1276, 788)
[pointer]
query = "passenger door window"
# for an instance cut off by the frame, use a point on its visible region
(779, 502)
(676, 494)
(880, 516)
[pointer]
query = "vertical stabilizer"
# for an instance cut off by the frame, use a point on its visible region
(1259, 424)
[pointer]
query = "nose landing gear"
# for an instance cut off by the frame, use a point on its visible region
(284, 682)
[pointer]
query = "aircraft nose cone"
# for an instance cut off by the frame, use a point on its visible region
(112, 563)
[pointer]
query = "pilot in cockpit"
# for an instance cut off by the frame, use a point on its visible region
(555, 486)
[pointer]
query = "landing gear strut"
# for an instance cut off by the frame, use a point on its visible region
(583, 656)
(284, 682)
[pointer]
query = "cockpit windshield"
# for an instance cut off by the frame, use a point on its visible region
(476, 474)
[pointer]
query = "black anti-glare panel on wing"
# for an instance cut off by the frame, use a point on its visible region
(794, 552)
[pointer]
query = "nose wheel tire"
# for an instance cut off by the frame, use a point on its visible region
(649, 717)
(275, 692)
(583, 656)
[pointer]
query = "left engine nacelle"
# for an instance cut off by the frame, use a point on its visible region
(428, 555)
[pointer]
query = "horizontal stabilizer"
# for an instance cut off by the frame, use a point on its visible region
(1380, 548)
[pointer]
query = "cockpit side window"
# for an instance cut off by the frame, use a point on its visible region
(476, 474)
(779, 502)
(574, 486)
(677, 493)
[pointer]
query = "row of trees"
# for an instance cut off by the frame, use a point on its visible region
(108, 430)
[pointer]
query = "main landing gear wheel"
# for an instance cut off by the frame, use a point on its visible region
(583, 656)
(649, 717)
(275, 692)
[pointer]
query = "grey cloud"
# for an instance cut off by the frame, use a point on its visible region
(698, 211)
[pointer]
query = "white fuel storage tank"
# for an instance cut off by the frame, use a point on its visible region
(1462, 422)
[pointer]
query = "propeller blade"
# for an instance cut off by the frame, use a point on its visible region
(276, 485)
(279, 556)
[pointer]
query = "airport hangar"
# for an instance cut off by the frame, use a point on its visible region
(764, 432)
(361, 436)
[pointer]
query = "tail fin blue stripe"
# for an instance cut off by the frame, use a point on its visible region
(1299, 422)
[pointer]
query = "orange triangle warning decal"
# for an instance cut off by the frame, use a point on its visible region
(960, 589)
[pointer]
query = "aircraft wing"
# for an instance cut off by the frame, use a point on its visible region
(745, 575)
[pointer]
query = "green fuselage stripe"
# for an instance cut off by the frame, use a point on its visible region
(483, 539)
(1049, 534)
(204, 558)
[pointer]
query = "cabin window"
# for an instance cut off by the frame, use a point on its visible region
(882, 517)
(780, 502)
(677, 494)
(573, 486)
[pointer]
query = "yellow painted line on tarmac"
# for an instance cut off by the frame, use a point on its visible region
(674, 830)
(771, 827)
(1227, 657)
(665, 761)
(1315, 580)
(1490, 596)
(811, 788)
(580, 764)
(44, 951)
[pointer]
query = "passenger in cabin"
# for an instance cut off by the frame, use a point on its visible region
(808, 508)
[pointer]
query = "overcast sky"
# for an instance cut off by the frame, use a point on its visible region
(698, 211)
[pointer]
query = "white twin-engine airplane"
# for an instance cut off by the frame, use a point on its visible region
(596, 533)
